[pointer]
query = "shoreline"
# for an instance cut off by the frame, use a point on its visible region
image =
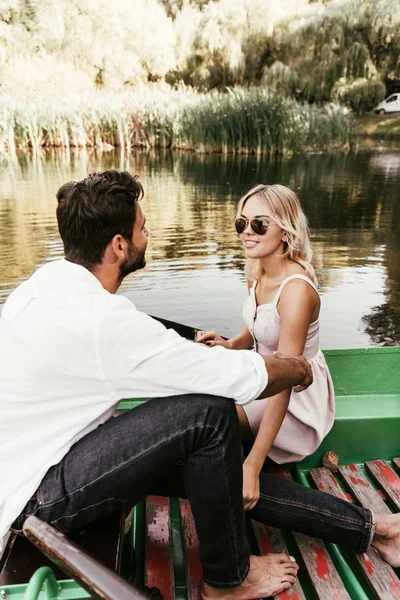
(378, 127)
(241, 121)
(236, 121)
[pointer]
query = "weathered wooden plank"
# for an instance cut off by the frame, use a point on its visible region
(269, 540)
(386, 478)
(158, 552)
(325, 579)
(326, 482)
(380, 576)
(194, 572)
(396, 463)
(324, 576)
(362, 490)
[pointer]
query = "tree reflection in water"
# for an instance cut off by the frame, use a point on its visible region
(195, 259)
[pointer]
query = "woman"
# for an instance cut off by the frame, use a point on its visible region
(281, 314)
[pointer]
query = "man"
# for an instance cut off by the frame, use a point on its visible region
(70, 349)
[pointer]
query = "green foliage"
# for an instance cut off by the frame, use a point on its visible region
(292, 46)
(360, 95)
(239, 120)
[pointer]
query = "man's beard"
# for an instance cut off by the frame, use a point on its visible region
(134, 262)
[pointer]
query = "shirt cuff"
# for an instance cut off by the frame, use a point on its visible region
(262, 373)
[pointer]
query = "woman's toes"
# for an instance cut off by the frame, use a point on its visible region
(290, 579)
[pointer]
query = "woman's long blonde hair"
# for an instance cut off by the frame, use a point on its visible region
(283, 206)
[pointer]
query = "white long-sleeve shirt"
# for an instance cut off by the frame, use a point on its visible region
(69, 351)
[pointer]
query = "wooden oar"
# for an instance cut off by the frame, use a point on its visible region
(98, 580)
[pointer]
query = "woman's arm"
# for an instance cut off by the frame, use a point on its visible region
(297, 306)
(240, 341)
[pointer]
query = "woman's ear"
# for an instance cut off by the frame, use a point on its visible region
(285, 238)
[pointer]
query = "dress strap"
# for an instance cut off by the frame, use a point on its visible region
(295, 276)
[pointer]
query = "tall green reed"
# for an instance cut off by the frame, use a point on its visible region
(252, 120)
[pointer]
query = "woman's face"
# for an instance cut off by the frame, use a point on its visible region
(261, 246)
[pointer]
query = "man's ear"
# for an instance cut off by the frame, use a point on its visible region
(118, 245)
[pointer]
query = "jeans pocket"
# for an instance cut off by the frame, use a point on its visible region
(51, 489)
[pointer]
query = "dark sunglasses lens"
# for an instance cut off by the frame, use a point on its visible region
(258, 226)
(240, 224)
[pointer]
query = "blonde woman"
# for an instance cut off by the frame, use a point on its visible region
(281, 314)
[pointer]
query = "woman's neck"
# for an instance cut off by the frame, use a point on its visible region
(275, 268)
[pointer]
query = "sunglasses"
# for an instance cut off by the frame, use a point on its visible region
(258, 226)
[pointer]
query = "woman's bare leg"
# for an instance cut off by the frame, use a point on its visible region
(245, 429)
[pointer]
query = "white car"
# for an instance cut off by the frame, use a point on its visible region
(389, 105)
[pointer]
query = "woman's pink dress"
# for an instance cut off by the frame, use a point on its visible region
(311, 413)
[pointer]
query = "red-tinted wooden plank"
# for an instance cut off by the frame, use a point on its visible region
(270, 540)
(362, 490)
(386, 478)
(380, 576)
(396, 463)
(325, 481)
(194, 572)
(158, 556)
(324, 576)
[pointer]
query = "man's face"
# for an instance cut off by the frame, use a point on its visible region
(137, 246)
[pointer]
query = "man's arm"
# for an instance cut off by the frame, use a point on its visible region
(140, 358)
(286, 372)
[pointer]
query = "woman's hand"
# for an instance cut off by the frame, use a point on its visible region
(210, 338)
(251, 486)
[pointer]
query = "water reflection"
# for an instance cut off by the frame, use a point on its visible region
(195, 259)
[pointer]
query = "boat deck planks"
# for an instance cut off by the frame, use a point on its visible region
(384, 476)
(159, 571)
(172, 560)
(379, 576)
(396, 463)
(194, 571)
(362, 490)
(270, 539)
(325, 579)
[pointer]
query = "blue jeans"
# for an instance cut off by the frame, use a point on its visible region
(187, 446)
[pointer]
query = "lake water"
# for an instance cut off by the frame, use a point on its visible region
(194, 271)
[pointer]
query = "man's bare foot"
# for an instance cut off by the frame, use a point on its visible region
(387, 538)
(268, 575)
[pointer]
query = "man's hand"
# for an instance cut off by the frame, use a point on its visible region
(251, 486)
(308, 374)
(286, 372)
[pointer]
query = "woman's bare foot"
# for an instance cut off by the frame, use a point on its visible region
(387, 538)
(268, 575)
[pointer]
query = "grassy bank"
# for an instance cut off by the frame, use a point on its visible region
(378, 126)
(237, 120)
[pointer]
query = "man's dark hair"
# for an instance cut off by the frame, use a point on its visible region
(92, 211)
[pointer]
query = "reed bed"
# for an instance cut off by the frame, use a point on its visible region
(252, 120)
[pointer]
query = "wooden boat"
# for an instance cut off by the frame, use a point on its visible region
(98, 561)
